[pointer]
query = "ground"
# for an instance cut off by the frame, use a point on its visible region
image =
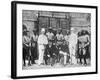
(57, 65)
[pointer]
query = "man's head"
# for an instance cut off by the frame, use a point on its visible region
(42, 30)
(50, 29)
(72, 30)
(67, 32)
(24, 28)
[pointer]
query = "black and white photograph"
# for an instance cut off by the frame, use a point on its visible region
(53, 39)
(56, 39)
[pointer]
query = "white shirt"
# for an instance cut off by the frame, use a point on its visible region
(42, 39)
(50, 35)
(73, 39)
(66, 37)
(59, 36)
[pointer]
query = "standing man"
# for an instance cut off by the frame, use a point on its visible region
(84, 43)
(60, 39)
(59, 36)
(50, 34)
(66, 37)
(34, 38)
(72, 46)
(42, 41)
(26, 48)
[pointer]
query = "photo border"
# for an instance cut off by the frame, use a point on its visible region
(14, 38)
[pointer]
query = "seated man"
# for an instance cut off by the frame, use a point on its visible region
(64, 51)
(50, 55)
(55, 55)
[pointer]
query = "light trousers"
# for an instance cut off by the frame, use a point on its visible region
(72, 49)
(65, 56)
(41, 54)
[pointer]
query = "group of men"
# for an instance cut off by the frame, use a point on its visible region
(49, 48)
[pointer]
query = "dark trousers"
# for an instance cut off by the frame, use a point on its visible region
(25, 54)
(47, 60)
(33, 54)
(82, 56)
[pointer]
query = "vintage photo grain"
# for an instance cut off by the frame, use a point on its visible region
(56, 39)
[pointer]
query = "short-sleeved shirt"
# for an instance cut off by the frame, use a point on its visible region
(66, 37)
(50, 35)
(59, 36)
